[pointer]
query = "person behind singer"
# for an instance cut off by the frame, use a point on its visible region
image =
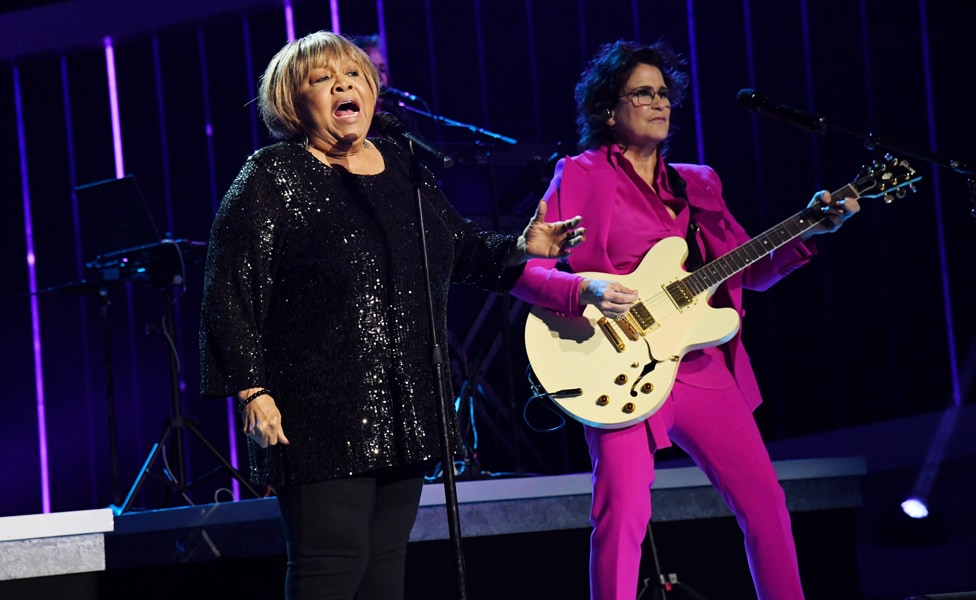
(315, 316)
(624, 99)
(389, 99)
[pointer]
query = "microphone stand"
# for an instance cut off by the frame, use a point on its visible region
(444, 406)
(452, 123)
(493, 194)
(874, 142)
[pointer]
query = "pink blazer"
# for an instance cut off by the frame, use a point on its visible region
(587, 185)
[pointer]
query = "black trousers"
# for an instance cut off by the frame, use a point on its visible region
(347, 538)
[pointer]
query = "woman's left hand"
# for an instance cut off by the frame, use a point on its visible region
(548, 240)
(836, 211)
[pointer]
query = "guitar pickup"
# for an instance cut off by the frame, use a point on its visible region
(680, 294)
(641, 317)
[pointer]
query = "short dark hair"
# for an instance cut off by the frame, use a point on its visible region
(604, 76)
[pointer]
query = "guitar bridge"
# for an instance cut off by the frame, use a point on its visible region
(607, 328)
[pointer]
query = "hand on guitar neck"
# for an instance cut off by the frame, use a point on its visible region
(835, 211)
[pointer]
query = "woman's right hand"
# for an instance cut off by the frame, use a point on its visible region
(611, 298)
(262, 421)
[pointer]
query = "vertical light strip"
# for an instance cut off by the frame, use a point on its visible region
(208, 119)
(482, 75)
(635, 19)
(937, 194)
(808, 78)
(35, 313)
(751, 77)
(892, 324)
(693, 58)
(251, 83)
(163, 136)
(381, 27)
(90, 411)
(113, 99)
(334, 15)
(584, 50)
(431, 61)
(230, 412)
(533, 70)
(289, 21)
(761, 204)
(816, 168)
(866, 65)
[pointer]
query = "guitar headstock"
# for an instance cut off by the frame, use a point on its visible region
(889, 179)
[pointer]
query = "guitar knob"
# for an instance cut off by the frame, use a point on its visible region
(629, 408)
(621, 379)
(647, 388)
(603, 400)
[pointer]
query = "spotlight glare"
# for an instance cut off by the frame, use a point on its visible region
(915, 508)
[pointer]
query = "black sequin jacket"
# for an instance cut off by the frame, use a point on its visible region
(314, 288)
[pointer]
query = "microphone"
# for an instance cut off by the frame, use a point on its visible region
(392, 91)
(760, 104)
(388, 126)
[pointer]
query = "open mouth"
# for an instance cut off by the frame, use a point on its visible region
(348, 108)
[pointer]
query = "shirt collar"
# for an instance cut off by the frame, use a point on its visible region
(615, 153)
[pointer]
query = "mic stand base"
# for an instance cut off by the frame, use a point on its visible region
(668, 582)
(175, 426)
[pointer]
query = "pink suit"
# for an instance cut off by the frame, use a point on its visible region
(709, 412)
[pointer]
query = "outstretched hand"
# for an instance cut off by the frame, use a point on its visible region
(548, 240)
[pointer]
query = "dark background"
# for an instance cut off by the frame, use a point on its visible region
(879, 328)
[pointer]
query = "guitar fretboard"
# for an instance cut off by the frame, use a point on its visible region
(755, 249)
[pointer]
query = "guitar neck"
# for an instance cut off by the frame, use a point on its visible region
(759, 247)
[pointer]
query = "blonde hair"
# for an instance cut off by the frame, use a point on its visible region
(285, 74)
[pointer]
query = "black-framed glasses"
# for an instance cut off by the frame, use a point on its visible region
(644, 96)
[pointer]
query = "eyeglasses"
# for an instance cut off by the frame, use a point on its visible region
(644, 96)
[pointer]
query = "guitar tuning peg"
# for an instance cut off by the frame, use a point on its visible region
(900, 193)
(888, 199)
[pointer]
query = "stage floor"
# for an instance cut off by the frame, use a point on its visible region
(98, 540)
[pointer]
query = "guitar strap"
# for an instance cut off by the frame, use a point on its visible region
(680, 189)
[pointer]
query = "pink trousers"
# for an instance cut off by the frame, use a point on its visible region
(718, 431)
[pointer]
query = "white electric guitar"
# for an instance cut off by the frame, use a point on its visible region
(614, 373)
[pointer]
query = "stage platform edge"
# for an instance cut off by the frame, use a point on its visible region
(95, 540)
